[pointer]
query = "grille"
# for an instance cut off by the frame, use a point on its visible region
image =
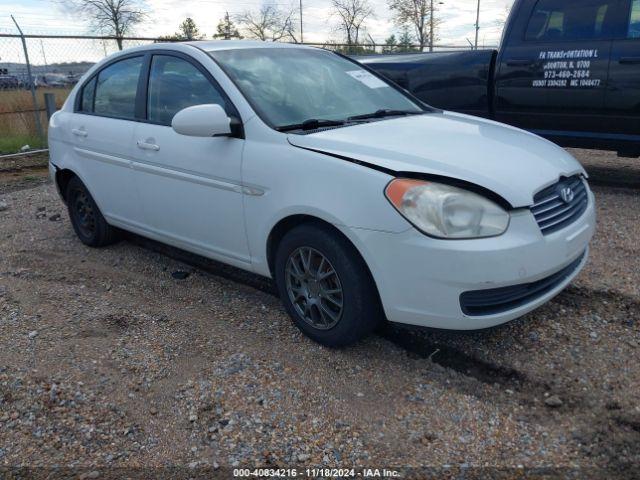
(552, 212)
(499, 300)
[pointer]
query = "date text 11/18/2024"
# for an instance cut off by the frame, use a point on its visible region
(316, 473)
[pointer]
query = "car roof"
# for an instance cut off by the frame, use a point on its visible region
(206, 46)
(213, 45)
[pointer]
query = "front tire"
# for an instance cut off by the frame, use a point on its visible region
(87, 220)
(326, 286)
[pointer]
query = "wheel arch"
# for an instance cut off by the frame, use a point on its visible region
(286, 224)
(63, 176)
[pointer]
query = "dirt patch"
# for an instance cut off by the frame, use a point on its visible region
(18, 173)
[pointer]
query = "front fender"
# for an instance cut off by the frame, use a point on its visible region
(299, 182)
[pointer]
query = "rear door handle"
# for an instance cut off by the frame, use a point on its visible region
(79, 132)
(519, 63)
(148, 146)
(629, 60)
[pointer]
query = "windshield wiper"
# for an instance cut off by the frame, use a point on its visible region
(384, 112)
(314, 123)
(311, 124)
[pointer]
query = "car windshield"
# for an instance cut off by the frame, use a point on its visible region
(289, 87)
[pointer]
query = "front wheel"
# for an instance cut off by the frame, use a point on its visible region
(325, 286)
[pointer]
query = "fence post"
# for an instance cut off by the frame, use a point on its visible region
(50, 104)
(31, 81)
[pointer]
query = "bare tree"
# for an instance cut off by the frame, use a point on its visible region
(420, 16)
(352, 15)
(226, 29)
(269, 23)
(112, 17)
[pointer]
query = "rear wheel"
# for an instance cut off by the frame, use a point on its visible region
(87, 220)
(326, 286)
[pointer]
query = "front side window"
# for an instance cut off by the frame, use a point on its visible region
(288, 86)
(116, 88)
(634, 20)
(175, 84)
(569, 20)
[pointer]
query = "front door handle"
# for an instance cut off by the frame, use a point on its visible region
(629, 60)
(519, 63)
(148, 146)
(79, 132)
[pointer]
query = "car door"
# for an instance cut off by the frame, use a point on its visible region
(623, 91)
(189, 186)
(101, 130)
(553, 69)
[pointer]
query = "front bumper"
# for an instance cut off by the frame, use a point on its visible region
(420, 279)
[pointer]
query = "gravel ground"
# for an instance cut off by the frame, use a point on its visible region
(109, 361)
(18, 173)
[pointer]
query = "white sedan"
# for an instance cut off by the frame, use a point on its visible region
(361, 202)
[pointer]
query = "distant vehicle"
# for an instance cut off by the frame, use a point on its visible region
(9, 82)
(300, 165)
(49, 80)
(568, 70)
(57, 80)
(72, 78)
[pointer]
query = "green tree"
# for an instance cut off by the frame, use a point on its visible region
(188, 30)
(391, 44)
(405, 42)
(226, 29)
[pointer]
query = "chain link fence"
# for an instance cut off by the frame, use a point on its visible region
(57, 63)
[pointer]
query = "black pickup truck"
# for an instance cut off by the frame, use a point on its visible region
(568, 70)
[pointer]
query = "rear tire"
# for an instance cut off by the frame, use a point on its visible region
(87, 220)
(326, 286)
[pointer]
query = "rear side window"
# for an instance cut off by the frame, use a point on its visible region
(568, 20)
(175, 84)
(115, 90)
(88, 93)
(634, 20)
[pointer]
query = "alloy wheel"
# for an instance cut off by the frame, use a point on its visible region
(314, 288)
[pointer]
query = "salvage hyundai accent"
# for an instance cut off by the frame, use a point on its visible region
(361, 202)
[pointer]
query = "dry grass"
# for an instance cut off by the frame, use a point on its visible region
(20, 99)
(18, 121)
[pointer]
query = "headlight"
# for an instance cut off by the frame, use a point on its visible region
(446, 212)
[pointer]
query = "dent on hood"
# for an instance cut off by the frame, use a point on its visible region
(422, 176)
(506, 161)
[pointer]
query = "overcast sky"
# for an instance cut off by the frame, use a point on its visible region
(458, 17)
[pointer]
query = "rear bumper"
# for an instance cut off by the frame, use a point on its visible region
(52, 175)
(421, 279)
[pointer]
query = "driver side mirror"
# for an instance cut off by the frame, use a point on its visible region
(209, 120)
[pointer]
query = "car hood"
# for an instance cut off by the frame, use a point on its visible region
(510, 162)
